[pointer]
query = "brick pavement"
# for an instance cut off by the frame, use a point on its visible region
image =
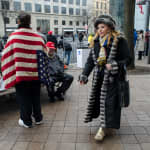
(63, 127)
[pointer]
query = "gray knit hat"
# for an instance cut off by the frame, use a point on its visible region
(105, 19)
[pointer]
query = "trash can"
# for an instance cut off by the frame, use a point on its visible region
(82, 55)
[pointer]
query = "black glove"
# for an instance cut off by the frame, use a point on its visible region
(83, 78)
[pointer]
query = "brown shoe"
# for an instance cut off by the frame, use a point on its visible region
(100, 135)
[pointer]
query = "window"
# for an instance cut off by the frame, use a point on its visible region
(17, 6)
(56, 31)
(77, 23)
(38, 8)
(84, 2)
(55, 22)
(77, 2)
(101, 5)
(83, 23)
(44, 24)
(27, 7)
(55, 9)
(84, 12)
(105, 6)
(63, 22)
(5, 4)
(47, 8)
(63, 10)
(63, 1)
(71, 11)
(77, 11)
(6, 19)
(70, 1)
(97, 5)
(96, 13)
(55, 0)
(70, 23)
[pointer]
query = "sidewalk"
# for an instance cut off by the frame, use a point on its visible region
(63, 127)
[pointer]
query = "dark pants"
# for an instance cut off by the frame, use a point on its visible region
(66, 81)
(28, 97)
(140, 53)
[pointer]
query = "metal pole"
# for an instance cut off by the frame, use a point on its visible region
(147, 28)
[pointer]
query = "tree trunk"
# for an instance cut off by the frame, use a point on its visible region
(129, 13)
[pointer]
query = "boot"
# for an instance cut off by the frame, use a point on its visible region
(100, 134)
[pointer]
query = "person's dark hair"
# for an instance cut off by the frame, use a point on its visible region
(141, 32)
(24, 19)
(61, 37)
(38, 28)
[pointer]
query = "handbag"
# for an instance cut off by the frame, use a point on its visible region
(124, 93)
(123, 87)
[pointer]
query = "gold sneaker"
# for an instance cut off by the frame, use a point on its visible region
(100, 135)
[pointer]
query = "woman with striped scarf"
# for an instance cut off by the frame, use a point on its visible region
(109, 54)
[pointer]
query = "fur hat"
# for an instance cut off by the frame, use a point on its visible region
(105, 19)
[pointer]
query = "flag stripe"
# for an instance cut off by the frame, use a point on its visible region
(19, 57)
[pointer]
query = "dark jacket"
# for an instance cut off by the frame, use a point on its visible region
(111, 108)
(52, 38)
(65, 45)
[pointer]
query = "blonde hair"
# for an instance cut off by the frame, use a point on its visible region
(113, 33)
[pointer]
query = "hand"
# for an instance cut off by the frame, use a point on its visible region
(108, 67)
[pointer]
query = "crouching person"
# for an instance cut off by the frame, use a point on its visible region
(57, 74)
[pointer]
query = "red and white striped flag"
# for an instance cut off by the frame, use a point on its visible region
(19, 58)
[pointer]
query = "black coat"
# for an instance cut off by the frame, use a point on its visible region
(112, 109)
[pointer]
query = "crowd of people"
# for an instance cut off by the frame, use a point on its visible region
(30, 59)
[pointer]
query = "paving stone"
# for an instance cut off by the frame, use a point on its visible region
(83, 138)
(20, 146)
(132, 147)
(36, 146)
(145, 146)
(42, 137)
(54, 138)
(68, 138)
(143, 138)
(139, 130)
(67, 146)
(6, 145)
(51, 146)
(128, 139)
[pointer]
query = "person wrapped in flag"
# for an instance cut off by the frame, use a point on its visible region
(20, 69)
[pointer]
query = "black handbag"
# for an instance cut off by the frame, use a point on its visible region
(124, 93)
(123, 87)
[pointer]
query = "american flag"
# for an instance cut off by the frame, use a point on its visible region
(43, 68)
(19, 57)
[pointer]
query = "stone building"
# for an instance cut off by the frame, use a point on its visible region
(55, 15)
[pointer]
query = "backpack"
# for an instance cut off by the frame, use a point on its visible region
(67, 46)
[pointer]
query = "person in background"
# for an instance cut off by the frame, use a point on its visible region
(135, 37)
(19, 69)
(90, 39)
(108, 57)
(57, 74)
(140, 44)
(39, 32)
(52, 38)
(66, 46)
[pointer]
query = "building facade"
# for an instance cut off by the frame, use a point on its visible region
(55, 15)
(117, 11)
